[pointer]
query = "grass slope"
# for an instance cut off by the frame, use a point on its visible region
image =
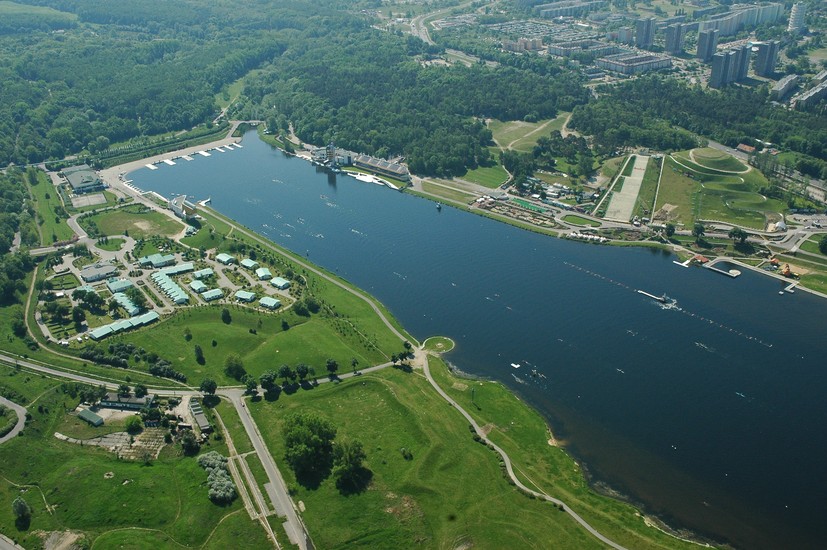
(50, 212)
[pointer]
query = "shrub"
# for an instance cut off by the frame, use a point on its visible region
(220, 487)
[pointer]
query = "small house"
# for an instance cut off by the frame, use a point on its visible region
(198, 286)
(270, 303)
(247, 263)
(263, 274)
(245, 296)
(225, 259)
(214, 294)
(280, 283)
(90, 417)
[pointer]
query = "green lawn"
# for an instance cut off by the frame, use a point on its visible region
(135, 220)
(65, 281)
(489, 176)
(646, 196)
(447, 193)
(451, 491)
(522, 136)
(718, 160)
(50, 211)
(578, 220)
(811, 244)
(113, 244)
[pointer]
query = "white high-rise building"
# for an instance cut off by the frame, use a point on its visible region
(797, 15)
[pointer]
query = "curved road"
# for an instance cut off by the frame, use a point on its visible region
(21, 418)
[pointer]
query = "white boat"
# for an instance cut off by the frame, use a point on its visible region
(515, 365)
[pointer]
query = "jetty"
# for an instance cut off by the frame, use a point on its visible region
(170, 162)
(151, 166)
(187, 157)
(661, 299)
(714, 267)
(204, 154)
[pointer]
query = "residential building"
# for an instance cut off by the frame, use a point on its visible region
(645, 33)
(625, 35)
(569, 8)
(247, 263)
(124, 324)
(263, 274)
(214, 294)
(245, 296)
(580, 48)
(126, 303)
(811, 96)
(225, 259)
(203, 273)
(741, 67)
(198, 287)
(118, 285)
(280, 283)
(707, 44)
(767, 57)
(156, 261)
(797, 18)
(270, 303)
(199, 416)
(741, 16)
(720, 70)
(633, 63)
(90, 417)
(784, 86)
(674, 38)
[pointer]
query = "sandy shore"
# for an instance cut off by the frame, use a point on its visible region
(112, 176)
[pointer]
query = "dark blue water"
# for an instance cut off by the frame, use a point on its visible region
(709, 412)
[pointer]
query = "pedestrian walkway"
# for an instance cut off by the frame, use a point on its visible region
(622, 205)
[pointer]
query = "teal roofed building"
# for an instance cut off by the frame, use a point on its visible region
(249, 264)
(118, 285)
(270, 303)
(245, 296)
(90, 417)
(203, 273)
(214, 294)
(185, 267)
(126, 303)
(263, 273)
(156, 261)
(225, 259)
(198, 286)
(280, 282)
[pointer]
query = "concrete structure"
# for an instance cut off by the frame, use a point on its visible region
(742, 58)
(767, 57)
(249, 264)
(263, 274)
(156, 261)
(97, 272)
(812, 96)
(280, 283)
(112, 400)
(83, 179)
(582, 48)
(198, 287)
(707, 44)
(270, 303)
(245, 296)
(820, 77)
(182, 208)
(118, 285)
(784, 86)
(214, 294)
(203, 273)
(90, 417)
(225, 259)
(523, 45)
(625, 35)
(797, 18)
(645, 33)
(569, 8)
(382, 167)
(674, 38)
(743, 15)
(730, 66)
(633, 63)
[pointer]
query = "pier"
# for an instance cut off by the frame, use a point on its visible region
(730, 273)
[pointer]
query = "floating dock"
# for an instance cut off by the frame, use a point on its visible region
(151, 166)
(730, 273)
(168, 161)
(219, 149)
(661, 299)
(187, 157)
(204, 154)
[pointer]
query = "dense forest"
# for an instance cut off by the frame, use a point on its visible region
(653, 111)
(368, 92)
(15, 216)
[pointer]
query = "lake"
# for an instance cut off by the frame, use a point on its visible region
(708, 410)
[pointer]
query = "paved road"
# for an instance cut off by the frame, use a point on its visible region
(8, 544)
(21, 418)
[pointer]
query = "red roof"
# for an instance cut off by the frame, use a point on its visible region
(745, 148)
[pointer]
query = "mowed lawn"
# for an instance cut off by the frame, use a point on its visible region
(165, 501)
(718, 160)
(488, 176)
(309, 341)
(522, 136)
(450, 494)
(135, 221)
(47, 203)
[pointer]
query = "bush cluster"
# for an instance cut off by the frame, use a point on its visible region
(220, 486)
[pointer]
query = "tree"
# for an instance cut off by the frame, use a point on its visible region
(208, 386)
(124, 390)
(234, 367)
(78, 315)
(308, 442)
(140, 390)
(698, 231)
(134, 425)
(251, 384)
(189, 444)
(302, 371)
(267, 380)
(332, 366)
(286, 373)
(348, 466)
(199, 355)
(226, 318)
(354, 364)
(670, 230)
(822, 244)
(187, 334)
(137, 297)
(738, 234)
(22, 510)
